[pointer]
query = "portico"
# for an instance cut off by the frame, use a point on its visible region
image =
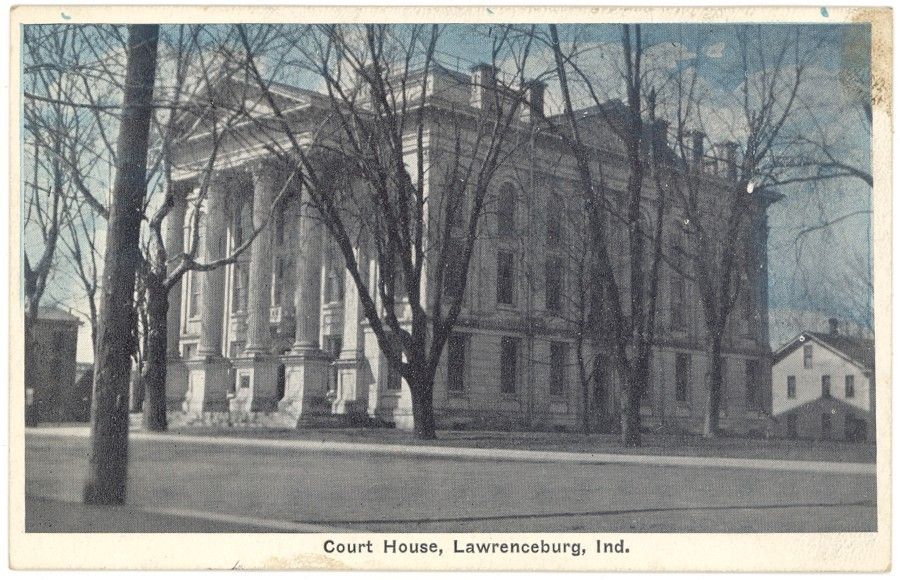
(244, 337)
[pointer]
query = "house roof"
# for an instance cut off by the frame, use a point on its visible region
(56, 314)
(859, 350)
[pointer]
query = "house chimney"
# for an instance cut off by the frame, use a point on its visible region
(728, 159)
(833, 326)
(484, 85)
(534, 101)
(697, 138)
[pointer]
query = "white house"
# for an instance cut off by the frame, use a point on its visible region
(823, 386)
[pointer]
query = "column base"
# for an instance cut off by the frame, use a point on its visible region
(350, 397)
(209, 381)
(176, 382)
(256, 382)
(306, 385)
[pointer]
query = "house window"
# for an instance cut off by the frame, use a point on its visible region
(751, 371)
(826, 386)
(792, 387)
(505, 278)
(849, 386)
(677, 303)
(553, 289)
(506, 213)
(807, 356)
(508, 351)
(557, 368)
(682, 376)
(791, 419)
(456, 363)
(826, 425)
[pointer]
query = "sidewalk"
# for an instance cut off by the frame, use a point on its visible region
(479, 454)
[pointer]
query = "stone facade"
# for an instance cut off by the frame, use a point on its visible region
(280, 335)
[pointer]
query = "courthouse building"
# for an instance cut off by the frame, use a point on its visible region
(280, 335)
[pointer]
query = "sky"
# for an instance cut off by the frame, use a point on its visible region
(816, 271)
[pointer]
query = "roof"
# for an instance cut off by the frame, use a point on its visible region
(56, 314)
(859, 350)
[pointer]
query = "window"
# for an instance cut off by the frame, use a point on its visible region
(508, 351)
(456, 205)
(194, 296)
(682, 376)
(393, 378)
(453, 276)
(504, 278)
(557, 368)
(333, 345)
(677, 303)
(826, 425)
(334, 287)
(792, 425)
(754, 394)
(456, 363)
(849, 386)
(792, 387)
(807, 356)
(554, 223)
(826, 386)
(278, 286)
(506, 213)
(239, 292)
(554, 283)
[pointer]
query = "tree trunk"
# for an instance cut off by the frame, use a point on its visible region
(713, 384)
(631, 405)
(422, 391)
(155, 358)
(108, 473)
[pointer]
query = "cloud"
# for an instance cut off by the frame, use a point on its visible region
(716, 50)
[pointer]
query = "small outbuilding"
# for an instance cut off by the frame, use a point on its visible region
(823, 387)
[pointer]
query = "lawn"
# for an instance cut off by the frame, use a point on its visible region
(653, 444)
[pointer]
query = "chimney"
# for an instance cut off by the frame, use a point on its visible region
(727, 157)
(484, 85)
(833, 326)
(534, 101)
(697, 138)
(660, 134)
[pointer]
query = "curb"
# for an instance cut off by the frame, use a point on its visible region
(436, 452)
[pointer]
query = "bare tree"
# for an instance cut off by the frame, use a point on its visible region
(109, 410)
(409, 200)
(629, 293)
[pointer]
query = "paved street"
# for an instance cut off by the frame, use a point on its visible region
(178, 486)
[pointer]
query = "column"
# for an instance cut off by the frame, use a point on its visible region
(173, 238)
(306, 366)
(212, 282)
(308, 297)
(208, 374)
(256, 369)
(260, 284)
(351, 397)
